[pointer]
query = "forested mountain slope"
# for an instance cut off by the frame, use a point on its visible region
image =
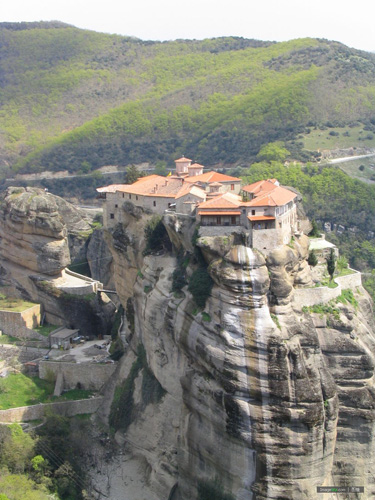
(75, 99)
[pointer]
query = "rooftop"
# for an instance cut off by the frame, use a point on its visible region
(182, 160)
(261, 187)
(155, 185)
(212, 177)
(320, 244)
(63, 333)
(191, 188)
(227, 200)
(277, 197)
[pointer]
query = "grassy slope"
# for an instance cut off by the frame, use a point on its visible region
(79, 99)
(22, 390)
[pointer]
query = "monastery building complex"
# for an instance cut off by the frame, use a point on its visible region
(264, 211)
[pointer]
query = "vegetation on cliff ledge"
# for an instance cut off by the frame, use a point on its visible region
(123, 410)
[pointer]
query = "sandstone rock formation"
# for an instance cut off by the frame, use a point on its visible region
(269, 398)
(34, 252)
(32, 232)
(100, 259)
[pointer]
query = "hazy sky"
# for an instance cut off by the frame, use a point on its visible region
(350, 22)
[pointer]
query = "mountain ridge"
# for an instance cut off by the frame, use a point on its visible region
(77, 99)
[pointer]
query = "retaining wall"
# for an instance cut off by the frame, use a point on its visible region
(90, 286)
(220, 230)
(21, 324)
(90, 376)
(86, 289)
(266, 240)
(323, 294)
(36, 412)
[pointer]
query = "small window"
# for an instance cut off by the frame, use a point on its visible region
(136, 198)
(116, 206)
(123, 195)
(232, 187)
(130, 196)
(154, 203)
(112, 216)
(253, 212)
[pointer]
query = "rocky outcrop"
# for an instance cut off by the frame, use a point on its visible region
(34, 252)
(32, 232)
(272, 399)
(77, 225)
(100, 259)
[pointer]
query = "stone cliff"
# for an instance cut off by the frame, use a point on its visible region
(37, 231)
(254, 394)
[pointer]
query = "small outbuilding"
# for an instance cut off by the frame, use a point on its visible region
(62, 337)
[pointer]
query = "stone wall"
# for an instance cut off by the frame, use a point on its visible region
(20, 324)
(36, 412)
(265, 240)
(88, 284)
(351, 280)
(78, 290)
(220, 230)
(90, 376)
(31, 316)
(323, 294)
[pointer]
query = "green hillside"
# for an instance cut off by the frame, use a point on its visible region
(75, 99)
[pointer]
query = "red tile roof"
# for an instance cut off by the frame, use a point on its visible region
(276, 198)
(182, 160)
(191, 188)
(151, 185)
(255, 218)
(261, 187)
(226, 200)
(268, 193)
(112, 188)
(212, 177)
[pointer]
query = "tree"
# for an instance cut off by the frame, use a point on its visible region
(16, 486)
(342, 263)
(16, 449)
(331, 263)
(274, 151)
(200, 286)
(315, 230)
(132, 174)
(161, 168)
(156, 235)
(312, 260)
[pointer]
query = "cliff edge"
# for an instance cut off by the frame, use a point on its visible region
(252, 391)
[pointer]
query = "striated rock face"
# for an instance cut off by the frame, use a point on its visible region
(272, 400)
(100, 259)
(32, 232)
(34, 251)
(77, 227)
